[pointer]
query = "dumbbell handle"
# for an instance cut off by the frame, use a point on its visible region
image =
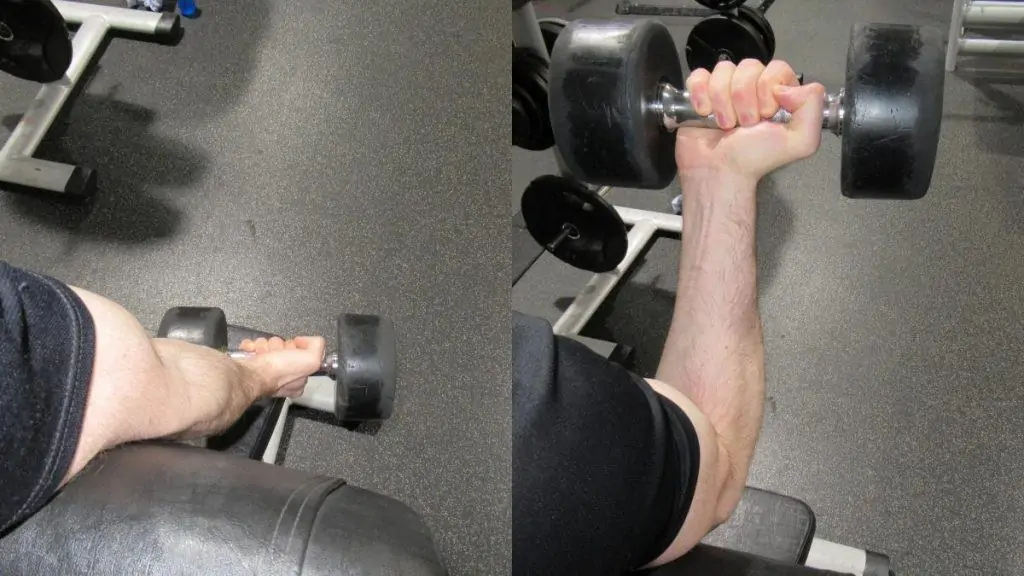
(329, 366)
(677, 111)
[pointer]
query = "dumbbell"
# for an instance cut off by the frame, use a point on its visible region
(615, 102)
(362, 371)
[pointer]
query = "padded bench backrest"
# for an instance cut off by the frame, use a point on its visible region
(170, 509)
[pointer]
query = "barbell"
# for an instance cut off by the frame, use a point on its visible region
(615, 102)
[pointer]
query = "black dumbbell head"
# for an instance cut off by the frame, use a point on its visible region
(892, 110)
(367, 368)
(604, 76)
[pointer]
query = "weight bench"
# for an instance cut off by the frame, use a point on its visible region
(170, 509)
(19, 170)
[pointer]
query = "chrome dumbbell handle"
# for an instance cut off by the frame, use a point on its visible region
(329, 366)
(676, 110)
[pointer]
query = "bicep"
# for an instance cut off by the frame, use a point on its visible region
(712, 501)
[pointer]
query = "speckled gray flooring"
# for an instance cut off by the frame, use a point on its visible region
(294, 159)
(894, 332)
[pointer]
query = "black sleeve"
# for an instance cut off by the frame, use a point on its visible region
(47, 344)
(604, 468)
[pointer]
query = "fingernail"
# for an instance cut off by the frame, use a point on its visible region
(746, 119)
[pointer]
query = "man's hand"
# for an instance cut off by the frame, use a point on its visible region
(285, 364)
(741, 97)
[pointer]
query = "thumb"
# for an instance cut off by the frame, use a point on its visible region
(289, 364)
(806, 104)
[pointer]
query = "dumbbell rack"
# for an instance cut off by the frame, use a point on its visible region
(985, 17)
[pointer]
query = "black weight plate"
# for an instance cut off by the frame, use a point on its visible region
(598, 238)
(721, 4)
(892, 110)
(724, 37)
(530, 74)
(523, 114)
(34, 40)
(760, 22)
(197, 325)
(604, 75)
(367, 368)
(550, 28)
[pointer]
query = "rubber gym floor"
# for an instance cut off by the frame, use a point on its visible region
(288, 161)
(894, 332)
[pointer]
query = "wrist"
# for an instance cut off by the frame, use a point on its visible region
(717, 183)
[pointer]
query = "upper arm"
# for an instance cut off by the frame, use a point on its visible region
(718, 489)
(608, 473)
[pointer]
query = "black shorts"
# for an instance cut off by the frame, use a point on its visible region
(47, 346)
(604, 468)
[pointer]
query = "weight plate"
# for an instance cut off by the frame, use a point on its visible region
(197, 325)
(34, 40)
(724, 38)
(721, 4)
(604, 76)
(530, 75)
(523, 114)
(892, 110)
(595, 235)
(761, 24)
(367, 368)
(550, 28)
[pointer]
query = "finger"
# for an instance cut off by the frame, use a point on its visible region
(260, 345)
(289, 345)
(247, 345)
(276, 343)
(697, 86)
(744, 92)
(807, 103)
(315, 344)
(777, 73)
(720, 88)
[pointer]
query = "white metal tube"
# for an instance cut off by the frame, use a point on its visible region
(274, 444)
(47, 105)
(993, 14)
(956, 31)
(321, 393)
(825, 555)
(991, 47)
(526, 30)
(664, 221)
(600, 286)
(139, 21)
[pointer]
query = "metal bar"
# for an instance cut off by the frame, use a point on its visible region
(526, 30)
(41, 114)
(632, 9)
(320, 393)
(600, 286)
(664, 221)
(274, 444)
(36, 174)
(839, 558)
(993, 15)
(139, 21)
(991, 47)
(956, 31)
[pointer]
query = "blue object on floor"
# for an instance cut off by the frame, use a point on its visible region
(188, 8)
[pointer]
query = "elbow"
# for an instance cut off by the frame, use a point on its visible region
(732, 481)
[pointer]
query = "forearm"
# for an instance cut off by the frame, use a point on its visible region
(714, 352)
